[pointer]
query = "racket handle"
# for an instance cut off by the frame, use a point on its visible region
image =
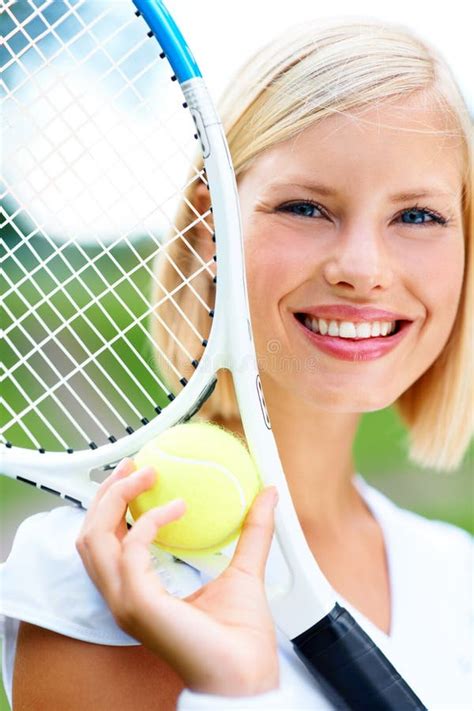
(351, 669)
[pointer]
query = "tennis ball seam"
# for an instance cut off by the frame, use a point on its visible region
(208, 465)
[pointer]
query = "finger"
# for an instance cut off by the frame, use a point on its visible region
(102, 565)
(135, 546)
(257, 532)
(139, 579)
(112, 506)
(98, 542)
(123, 469)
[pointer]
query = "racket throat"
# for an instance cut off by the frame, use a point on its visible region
(205, 394)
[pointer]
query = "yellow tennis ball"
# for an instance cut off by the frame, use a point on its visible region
(213, 472)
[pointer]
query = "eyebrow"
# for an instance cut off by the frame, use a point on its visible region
(418, 194)
(325, 190)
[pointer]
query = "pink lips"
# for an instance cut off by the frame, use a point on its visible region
(360, 349)
(342, 312)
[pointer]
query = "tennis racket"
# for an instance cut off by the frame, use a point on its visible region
(108, 129)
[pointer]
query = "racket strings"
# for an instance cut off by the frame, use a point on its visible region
(89, 205)
(43, 263)
(92, 357)
(95, 299)
(81, 311)
(41, 184)
(64, 380)
(82, 94)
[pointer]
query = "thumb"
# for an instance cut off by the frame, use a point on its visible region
(257, 532)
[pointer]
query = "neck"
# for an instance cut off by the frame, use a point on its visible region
(315, 447)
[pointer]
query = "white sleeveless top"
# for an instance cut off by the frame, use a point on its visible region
(43, 582)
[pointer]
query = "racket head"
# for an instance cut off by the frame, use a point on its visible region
(103, 145)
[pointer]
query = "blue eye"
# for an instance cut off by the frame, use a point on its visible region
(418, 216)
(302, 209)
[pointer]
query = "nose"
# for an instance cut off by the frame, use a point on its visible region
(360, 262)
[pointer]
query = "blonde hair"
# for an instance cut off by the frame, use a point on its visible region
(308, 74)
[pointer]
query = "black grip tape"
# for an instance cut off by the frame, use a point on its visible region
(351, 669)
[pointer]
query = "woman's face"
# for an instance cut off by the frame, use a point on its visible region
(354, 251)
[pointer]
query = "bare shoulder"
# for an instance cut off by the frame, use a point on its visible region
(62, 674)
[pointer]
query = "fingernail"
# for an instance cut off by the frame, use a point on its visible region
(123, 465)
(169, 506)
(176, 502)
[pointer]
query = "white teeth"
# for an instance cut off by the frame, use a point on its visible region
(349, 329)
(323, 326)
(363, 330)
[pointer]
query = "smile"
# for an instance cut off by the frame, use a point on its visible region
(353, 340)
(349, 329)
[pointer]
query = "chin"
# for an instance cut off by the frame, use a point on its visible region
(350, 400)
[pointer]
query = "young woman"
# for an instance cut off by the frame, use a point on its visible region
(351, 145)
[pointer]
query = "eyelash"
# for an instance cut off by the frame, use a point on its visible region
(435, 216)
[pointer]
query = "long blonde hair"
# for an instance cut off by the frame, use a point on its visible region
(312, 72)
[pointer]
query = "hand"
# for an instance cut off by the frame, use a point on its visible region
(221, 639)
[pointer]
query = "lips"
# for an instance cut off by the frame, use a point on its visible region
(355, 349)
(344, 312)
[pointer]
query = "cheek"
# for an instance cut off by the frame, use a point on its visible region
(271, 275)
(277, 261)
(437, 284)
(439, 279)
(268, 275)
